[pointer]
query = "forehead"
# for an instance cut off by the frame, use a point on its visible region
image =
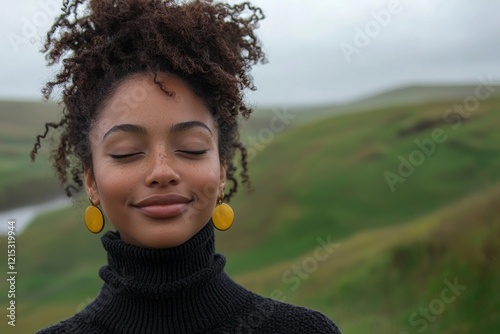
(139, 100)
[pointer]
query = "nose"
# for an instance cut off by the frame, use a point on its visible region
(162, 171)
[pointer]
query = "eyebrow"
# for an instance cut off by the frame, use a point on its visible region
(130, 128)
(139, 129)
(184, 126)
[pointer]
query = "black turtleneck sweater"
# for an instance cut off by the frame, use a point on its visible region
(181, 290)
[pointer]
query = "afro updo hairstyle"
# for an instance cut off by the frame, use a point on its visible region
(211, 46)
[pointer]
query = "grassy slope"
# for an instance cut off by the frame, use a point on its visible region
(329, 171)
(23, 182)
(376, 279)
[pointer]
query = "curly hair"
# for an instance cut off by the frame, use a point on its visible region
(211, 46)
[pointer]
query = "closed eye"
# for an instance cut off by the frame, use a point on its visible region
(122, 156)
(198, 152)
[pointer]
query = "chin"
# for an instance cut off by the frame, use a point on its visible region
(167, 237)
(160, 240)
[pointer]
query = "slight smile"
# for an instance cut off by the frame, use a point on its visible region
(162, 206)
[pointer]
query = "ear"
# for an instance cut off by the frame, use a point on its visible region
(223, 179)
(91, 186)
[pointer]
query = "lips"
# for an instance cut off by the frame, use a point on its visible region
(162, 206)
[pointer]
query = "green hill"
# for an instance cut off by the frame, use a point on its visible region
(420, 94)
(391, 279)
(401, 96)
(393, 250)
(329, 177)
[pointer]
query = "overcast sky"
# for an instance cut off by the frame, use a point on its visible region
(320, 51)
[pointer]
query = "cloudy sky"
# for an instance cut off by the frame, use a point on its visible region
(320, 51)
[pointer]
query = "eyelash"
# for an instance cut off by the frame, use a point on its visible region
(200, 152)
(122, 156)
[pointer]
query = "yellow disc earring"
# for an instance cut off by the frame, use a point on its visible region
(223, 215)
(94, 219)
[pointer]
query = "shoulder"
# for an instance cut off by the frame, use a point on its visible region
(272, 316)
(301, 319)
(73, 325)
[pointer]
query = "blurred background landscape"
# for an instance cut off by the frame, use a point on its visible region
(375, 167)
(320, 181)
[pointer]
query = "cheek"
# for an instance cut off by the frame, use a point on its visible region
(206, 183)
(113, 185)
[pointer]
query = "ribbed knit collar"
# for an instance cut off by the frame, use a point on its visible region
(176, 290)
(164, 270)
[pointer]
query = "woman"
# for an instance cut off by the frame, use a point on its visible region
(152, 92)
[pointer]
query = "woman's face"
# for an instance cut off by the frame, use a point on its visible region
(156, 170)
